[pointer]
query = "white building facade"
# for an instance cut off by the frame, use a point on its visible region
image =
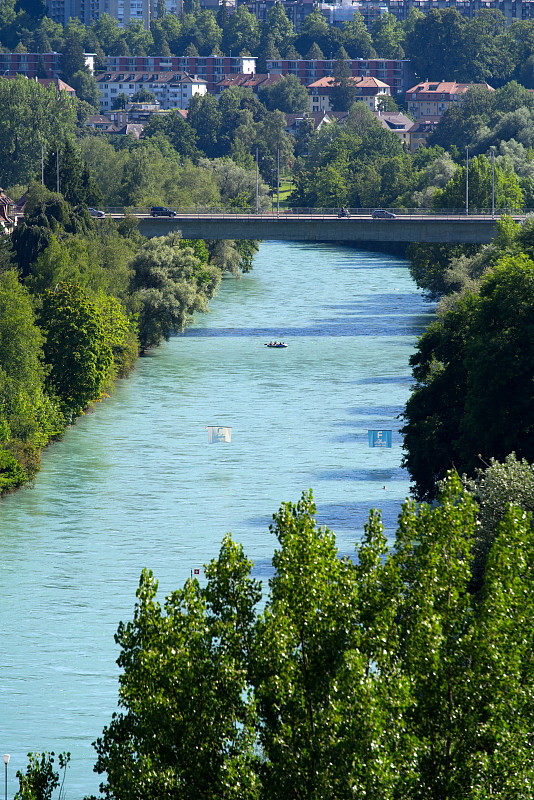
(171, 90)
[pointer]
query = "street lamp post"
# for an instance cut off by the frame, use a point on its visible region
(6, 762)
(278, 182)
(467, 180)
(492, 182)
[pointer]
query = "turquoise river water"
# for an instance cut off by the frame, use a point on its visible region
(136, 484)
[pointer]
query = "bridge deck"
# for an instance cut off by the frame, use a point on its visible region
(322, 227)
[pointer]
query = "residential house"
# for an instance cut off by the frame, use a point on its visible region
(396, 72)
(253, 82)
(433, 98)
(7, 213)
(60, 85)
(211, 69)
(171, 90)
(368, 90)
(420, 131)
(398, 123)
(319, 118)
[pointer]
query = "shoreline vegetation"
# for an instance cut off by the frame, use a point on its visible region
(79, 302)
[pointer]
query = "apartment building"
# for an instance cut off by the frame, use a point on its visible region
(296, 10)
(123, 11)
(433, 98)
(368, 91)
(211, 69)
(171, 89)
(397, 73)
(371, 10)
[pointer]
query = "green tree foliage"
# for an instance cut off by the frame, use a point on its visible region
(382, 677)
(203, 742)
(72, 58)
(357, 39)
(445, 45)
(495, 487)
(171, 284)
(430, 263)
(473, 369)
(241, 34)
(435, 43)
(388, 37)
(41, 779)
(314, 30)
(33, 118)
(483, 181)
(287, 95)
(77, 349)
(76, 183)
(144, 96)
(28, 418)
(173, 127)
(343, 94)
(45, 213)
(361, 165)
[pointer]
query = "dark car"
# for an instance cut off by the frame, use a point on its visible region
(381, 213)
(161, 211)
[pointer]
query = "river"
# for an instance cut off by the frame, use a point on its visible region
(135, 484)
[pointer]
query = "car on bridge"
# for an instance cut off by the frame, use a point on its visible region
(161, 211)
(95, 212)
(381, 213)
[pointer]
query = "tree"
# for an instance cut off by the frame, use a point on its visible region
(121, 101)
(313, 31)
(495, 487)
(144, 96)
(76, 349)
(179, 133)
(344, 90)
(186, 724)
(205, 118)
(241, 34)
(357, 39)
(37, 117)
(171, 284)
(278, 27)
(382, 677)
(315, 53)
(287, 95)
(435, 44)
(481, 184)
(28, 419)
(86, 88)
(72, 59)
(75, 180)
(388, 37)
(302, 637)
(460, 406)
(40, 778)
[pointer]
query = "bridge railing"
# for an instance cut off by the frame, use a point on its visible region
(318, 213)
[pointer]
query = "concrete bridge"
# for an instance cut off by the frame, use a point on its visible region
(325, 226)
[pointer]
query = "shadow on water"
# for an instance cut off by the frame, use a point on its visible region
(353, 516)
(392, 325)
(395, 380)
(379, 476)
(390, 412)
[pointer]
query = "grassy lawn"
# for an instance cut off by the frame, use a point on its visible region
(286, 187)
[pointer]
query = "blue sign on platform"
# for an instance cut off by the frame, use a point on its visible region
(379, 438)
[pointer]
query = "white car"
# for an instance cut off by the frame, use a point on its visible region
(95, 212)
